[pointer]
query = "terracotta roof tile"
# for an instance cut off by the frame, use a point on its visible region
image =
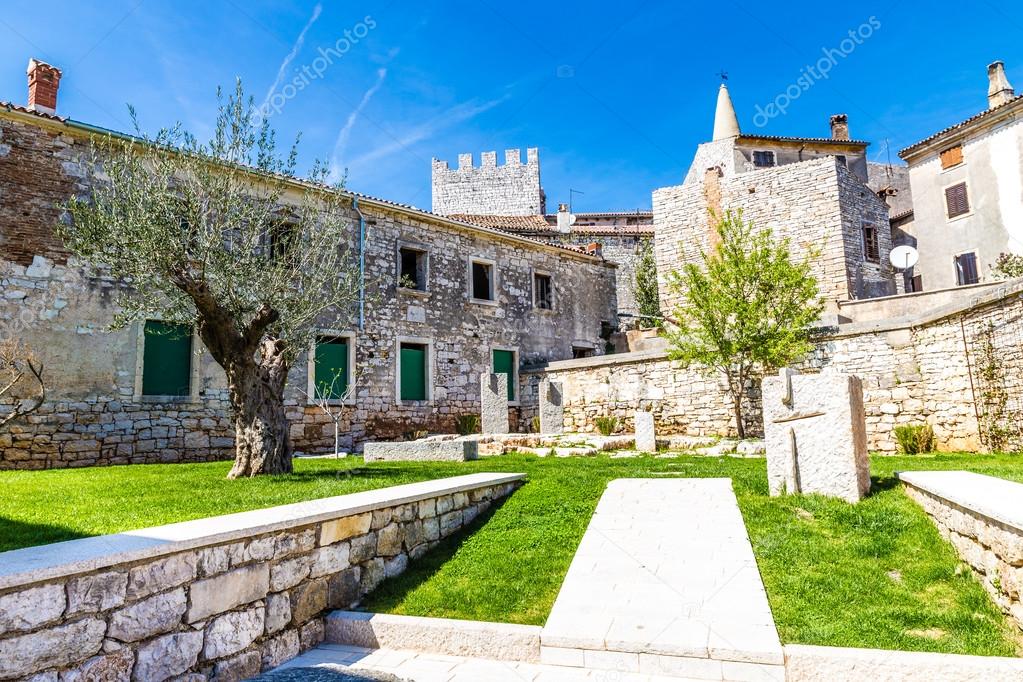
(962, 124)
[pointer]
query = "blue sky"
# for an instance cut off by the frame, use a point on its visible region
(615, 95)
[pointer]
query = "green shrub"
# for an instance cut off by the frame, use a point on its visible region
(607, 425)
(467, 424)
(914, 439)
(535, 423)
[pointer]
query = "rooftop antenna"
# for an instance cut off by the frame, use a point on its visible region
(571, 195)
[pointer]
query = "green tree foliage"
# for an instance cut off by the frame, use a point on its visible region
(745, 310)
(221, 235)
(647, 298)
(1008, 266)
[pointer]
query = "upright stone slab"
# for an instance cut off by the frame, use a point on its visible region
(552, 407)
(646, 440)
(816, 435)
(494, 400)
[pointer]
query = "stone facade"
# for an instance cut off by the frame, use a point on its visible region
(511, 189)
(818, 204)
(222, 610)
(96, 413)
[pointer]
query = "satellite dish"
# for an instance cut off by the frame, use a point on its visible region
(904, 257)
(571, 219)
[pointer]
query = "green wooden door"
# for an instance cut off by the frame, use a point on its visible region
(331, 370)
(504, 363)
(167, 359)
(413, 372)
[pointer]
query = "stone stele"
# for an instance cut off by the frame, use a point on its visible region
(816, 435)
(552, 407)
(494, 398)
(646, 440)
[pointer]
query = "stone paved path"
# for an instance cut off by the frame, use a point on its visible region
(665, 582)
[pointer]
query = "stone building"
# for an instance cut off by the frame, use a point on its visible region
(447, 300)
(967, 185)
(810, 190)
(510, 198)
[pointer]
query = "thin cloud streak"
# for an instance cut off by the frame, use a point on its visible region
(345, 133)
(283, 70)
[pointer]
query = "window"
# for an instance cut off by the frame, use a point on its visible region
(166, 359)
(842, 160)
(543, 291)
(282, 240)
(413, 371)
(332, 367)
(582, 352)
(952, 157)
(763, 159)
(916, 284)
(505, 362)
(956, 200)
(966, 269)
(871, 249)
(482, 280)
(412, 268)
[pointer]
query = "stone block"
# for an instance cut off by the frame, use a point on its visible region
(160, 575)
(289, 572)
(27, 609)
(342, 529)
(53, 647)
(242, 667)
(167, 656)
(343, 588)
(279, 649)
(278, 612)
(389, 540)
(329, 559)
(422, 451)
(112, 667)
(494, 403)
(152, 616)
(363, 548)
(552, 407)
(646, 440)
(96, 592)
(307, 600)
(311, 634)
(288, 544)
(225, 592)
(230, 633)
(815, 433)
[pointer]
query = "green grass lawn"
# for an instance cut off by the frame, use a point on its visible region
(876, 574)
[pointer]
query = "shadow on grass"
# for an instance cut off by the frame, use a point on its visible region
(390, 593)
(16, 534)
(880, 484)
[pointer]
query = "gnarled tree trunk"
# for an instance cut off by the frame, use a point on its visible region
(262, 442)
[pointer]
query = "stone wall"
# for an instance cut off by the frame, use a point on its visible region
(220, 598)
(511, 189)
(817, 204)
(96, 414)
(624, 251)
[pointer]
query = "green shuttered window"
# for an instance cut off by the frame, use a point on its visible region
(332, 372)
(167, 359)
(504, 363)
(414, 370)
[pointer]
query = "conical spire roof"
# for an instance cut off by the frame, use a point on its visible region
(726, 124)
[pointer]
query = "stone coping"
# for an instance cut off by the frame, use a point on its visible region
(60, 559)
(807, 663)
(604, 360)
(995, 498)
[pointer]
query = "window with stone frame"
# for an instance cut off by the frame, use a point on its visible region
(953, 156)
(966, 269)
(957, 200)
(413, 268)
(543, 291)
(481, 283)
(763, 159)
(871, 246)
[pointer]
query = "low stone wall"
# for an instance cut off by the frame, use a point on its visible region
(838, 664)
(980, 516)
(220, 598)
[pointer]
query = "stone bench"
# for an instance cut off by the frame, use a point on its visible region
(425, 450)
(982, 516)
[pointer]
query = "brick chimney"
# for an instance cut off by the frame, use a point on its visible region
(840, 127)
(43, 82)
(999, 91)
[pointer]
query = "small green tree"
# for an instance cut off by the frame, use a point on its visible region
(220, 236)
(647, 299)
(1008, 266)
(746, 309)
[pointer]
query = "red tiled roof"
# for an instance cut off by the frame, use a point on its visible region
(11, 106)
(962, 124)
(514, 223)
(814, 140)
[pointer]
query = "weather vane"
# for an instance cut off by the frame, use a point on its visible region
(724, 75)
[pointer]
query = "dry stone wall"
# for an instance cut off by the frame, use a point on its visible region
(225, 606)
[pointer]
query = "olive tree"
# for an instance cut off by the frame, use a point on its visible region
(222, 236)
(647, 298)
(746, 309)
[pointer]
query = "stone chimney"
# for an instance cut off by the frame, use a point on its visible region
(43, 82)
(564, 219)
(840, 127)
(999, 91)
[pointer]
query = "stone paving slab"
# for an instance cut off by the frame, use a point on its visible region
(665, 582)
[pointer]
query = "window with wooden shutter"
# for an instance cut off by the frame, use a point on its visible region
(871, 248)
(504, 363)
(957, 202)
(414, 371)
(166, 359)
(952, 157)
(331, 372)
(966, 269)
(763, 159)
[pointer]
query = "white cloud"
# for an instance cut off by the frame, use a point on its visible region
(283, 70)
(346, 131)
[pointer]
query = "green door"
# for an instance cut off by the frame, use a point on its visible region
(331, 370)
(413, 372)
(504, 363)
(167, 359)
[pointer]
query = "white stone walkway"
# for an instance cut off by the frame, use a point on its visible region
(665, 582)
